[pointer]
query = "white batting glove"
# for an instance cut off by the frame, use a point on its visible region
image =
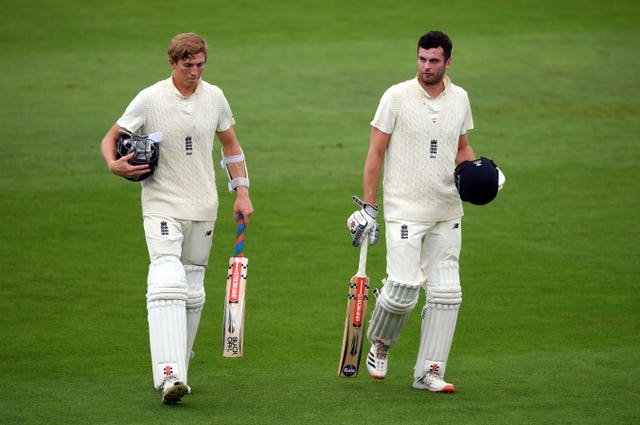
(362, 224)
(374, 235)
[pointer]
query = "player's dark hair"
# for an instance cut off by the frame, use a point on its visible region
(435, 39)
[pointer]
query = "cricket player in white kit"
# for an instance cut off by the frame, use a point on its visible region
(180, 200)
(419, 133)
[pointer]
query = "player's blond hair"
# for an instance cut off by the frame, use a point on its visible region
(185, 45)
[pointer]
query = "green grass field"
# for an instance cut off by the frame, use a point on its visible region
(549, 331)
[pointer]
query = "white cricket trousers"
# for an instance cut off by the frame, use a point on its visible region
(414, 248)
(188, 240)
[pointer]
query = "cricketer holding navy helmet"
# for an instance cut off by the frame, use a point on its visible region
(180, 200)
(419, 134)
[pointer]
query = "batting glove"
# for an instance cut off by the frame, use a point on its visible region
(362, 224)
(374, 235)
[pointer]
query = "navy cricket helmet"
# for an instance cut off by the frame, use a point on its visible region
(146, 149)
(477, 180)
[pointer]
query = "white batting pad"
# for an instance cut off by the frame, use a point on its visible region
(395, 303)
(168, 339)
(439, 316)
(166, 307)
(194, 276)
(166, 280)
(195, 304)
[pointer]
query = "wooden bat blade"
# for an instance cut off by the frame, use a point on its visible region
(353, 336)
(234, 303)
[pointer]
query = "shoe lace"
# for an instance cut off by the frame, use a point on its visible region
(381, 351)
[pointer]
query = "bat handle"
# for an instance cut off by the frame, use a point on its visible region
(240, 237)
(362, 264)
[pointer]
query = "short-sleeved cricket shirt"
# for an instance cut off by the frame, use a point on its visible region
(418, 181)
(183, 185)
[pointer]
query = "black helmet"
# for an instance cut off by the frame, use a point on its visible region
(477, 180)
(146, 148)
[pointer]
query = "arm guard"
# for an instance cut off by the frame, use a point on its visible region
(237, 181)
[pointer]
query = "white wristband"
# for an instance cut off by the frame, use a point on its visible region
(238, 181)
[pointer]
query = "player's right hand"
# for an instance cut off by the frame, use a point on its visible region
(362, 224)
(122, 168)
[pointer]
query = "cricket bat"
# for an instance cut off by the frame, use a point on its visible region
(234, 300)
(354, 321)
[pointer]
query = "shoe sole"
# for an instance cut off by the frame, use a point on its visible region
(447, 389)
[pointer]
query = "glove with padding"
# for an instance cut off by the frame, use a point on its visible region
(362, 224)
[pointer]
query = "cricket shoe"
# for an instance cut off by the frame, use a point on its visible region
(377, 360)
(173, 390)
(431, 381)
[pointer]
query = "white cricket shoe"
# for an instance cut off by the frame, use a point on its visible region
(431, 381)
(173, 390)
(377, 360)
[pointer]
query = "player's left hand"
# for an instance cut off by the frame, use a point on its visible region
(242, 205)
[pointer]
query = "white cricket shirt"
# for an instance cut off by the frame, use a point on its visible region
(183, 185)
(418, 181)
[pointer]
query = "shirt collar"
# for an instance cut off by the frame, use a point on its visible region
(177, 92)
(447, 83)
